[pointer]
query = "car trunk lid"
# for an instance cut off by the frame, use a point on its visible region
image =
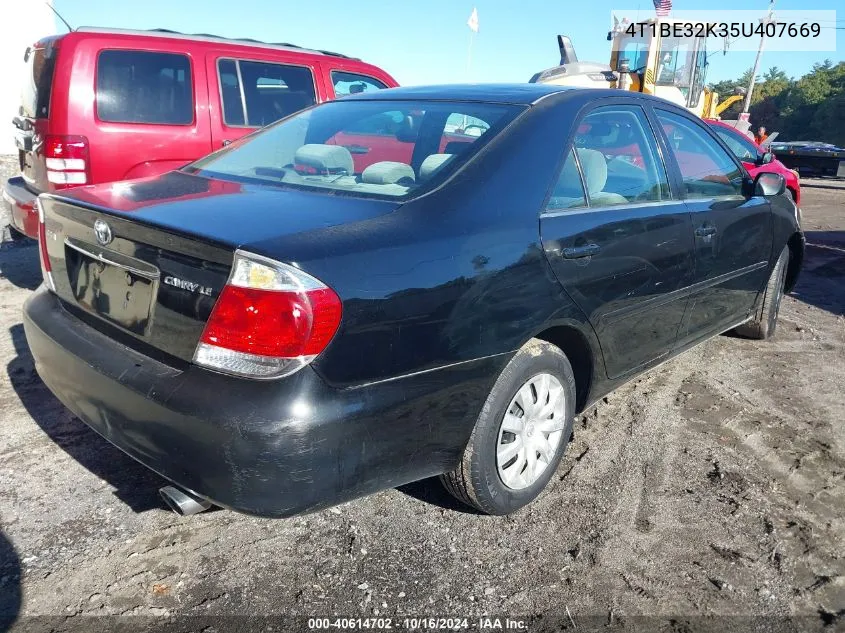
(147, 260)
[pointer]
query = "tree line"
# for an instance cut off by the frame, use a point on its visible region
(811, 108)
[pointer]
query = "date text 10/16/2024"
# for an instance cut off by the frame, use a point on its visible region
(419, 624)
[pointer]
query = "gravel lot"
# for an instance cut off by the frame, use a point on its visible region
(712, 486)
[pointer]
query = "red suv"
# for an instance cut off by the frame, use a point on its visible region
(105, 105)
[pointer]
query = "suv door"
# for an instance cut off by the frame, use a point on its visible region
(733, 233)
(619, 242)
(252, 93)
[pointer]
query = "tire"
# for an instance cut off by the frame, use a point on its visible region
(478, 479)
(765, 321)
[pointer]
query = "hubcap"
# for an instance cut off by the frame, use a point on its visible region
(531, 431)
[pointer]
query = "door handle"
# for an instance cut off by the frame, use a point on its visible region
(705, 231)
(226, 142)
(576, 252)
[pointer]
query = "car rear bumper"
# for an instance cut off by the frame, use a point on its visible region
(269, 448)
(22, 208)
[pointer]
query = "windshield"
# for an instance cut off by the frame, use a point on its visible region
(381, 148)
(742, 148)
(675, 62)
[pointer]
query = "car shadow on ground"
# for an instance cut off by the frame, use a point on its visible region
(431, 491)
(824, 268)
(133, 484)
(10, 583)
(19, 263)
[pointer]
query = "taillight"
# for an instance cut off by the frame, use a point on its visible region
(270, 320)
(46, 270)
(67, 160)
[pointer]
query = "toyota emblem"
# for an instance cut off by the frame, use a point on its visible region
(103, 232)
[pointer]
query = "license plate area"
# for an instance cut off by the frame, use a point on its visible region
(116, 288)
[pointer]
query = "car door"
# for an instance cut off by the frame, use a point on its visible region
(618, 240)
(248, 94)
(733, 232)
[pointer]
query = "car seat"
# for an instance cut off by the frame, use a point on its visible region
(594, 168)
(432, 164)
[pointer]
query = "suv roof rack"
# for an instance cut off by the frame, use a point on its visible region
(246, 41)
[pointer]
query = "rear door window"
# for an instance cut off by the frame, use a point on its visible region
(144, 87)
(255, 94)
(35, 96)
(618, 157)
(352, 83)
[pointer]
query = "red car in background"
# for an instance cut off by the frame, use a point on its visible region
(755, 158)
(104, 105)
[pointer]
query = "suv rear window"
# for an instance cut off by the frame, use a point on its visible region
(35, 96)
(144, 87)
(372, 148)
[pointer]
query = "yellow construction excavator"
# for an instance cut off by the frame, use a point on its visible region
(646, 57)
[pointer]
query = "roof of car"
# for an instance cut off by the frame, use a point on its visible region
(524, 94)
(206, 37)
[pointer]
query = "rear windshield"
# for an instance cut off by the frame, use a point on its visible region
(38, 82)
(381, 148)
(144, 87)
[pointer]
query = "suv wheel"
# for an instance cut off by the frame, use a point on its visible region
(521, 433)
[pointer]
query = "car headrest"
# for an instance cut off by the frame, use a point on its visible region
(432, 164)
(323, 160)
(594, 167)
(456, 147)
(388, 173)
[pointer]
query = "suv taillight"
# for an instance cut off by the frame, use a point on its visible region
(67, 161)
(270, 320)
(46, 269)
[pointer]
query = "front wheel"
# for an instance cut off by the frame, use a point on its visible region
(521, 433)
(765, 321)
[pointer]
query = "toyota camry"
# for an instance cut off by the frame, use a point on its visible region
(417, 282)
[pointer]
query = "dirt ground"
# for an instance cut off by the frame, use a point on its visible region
(709, 491)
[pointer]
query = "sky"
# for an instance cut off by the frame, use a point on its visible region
(428, 41)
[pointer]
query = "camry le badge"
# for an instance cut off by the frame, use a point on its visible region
(190, 286)
(103, 232)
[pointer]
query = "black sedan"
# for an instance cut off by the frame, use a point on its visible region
(418, 282)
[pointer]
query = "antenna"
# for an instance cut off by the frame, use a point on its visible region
(59, 15)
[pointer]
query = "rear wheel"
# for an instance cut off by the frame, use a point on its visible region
(521, 433)
(765, 321)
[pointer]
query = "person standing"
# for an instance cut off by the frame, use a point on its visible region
(761, 135)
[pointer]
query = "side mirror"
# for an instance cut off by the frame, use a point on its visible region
(764, 159)
(769, 184)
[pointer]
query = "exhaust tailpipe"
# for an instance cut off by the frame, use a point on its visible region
(183, 502)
